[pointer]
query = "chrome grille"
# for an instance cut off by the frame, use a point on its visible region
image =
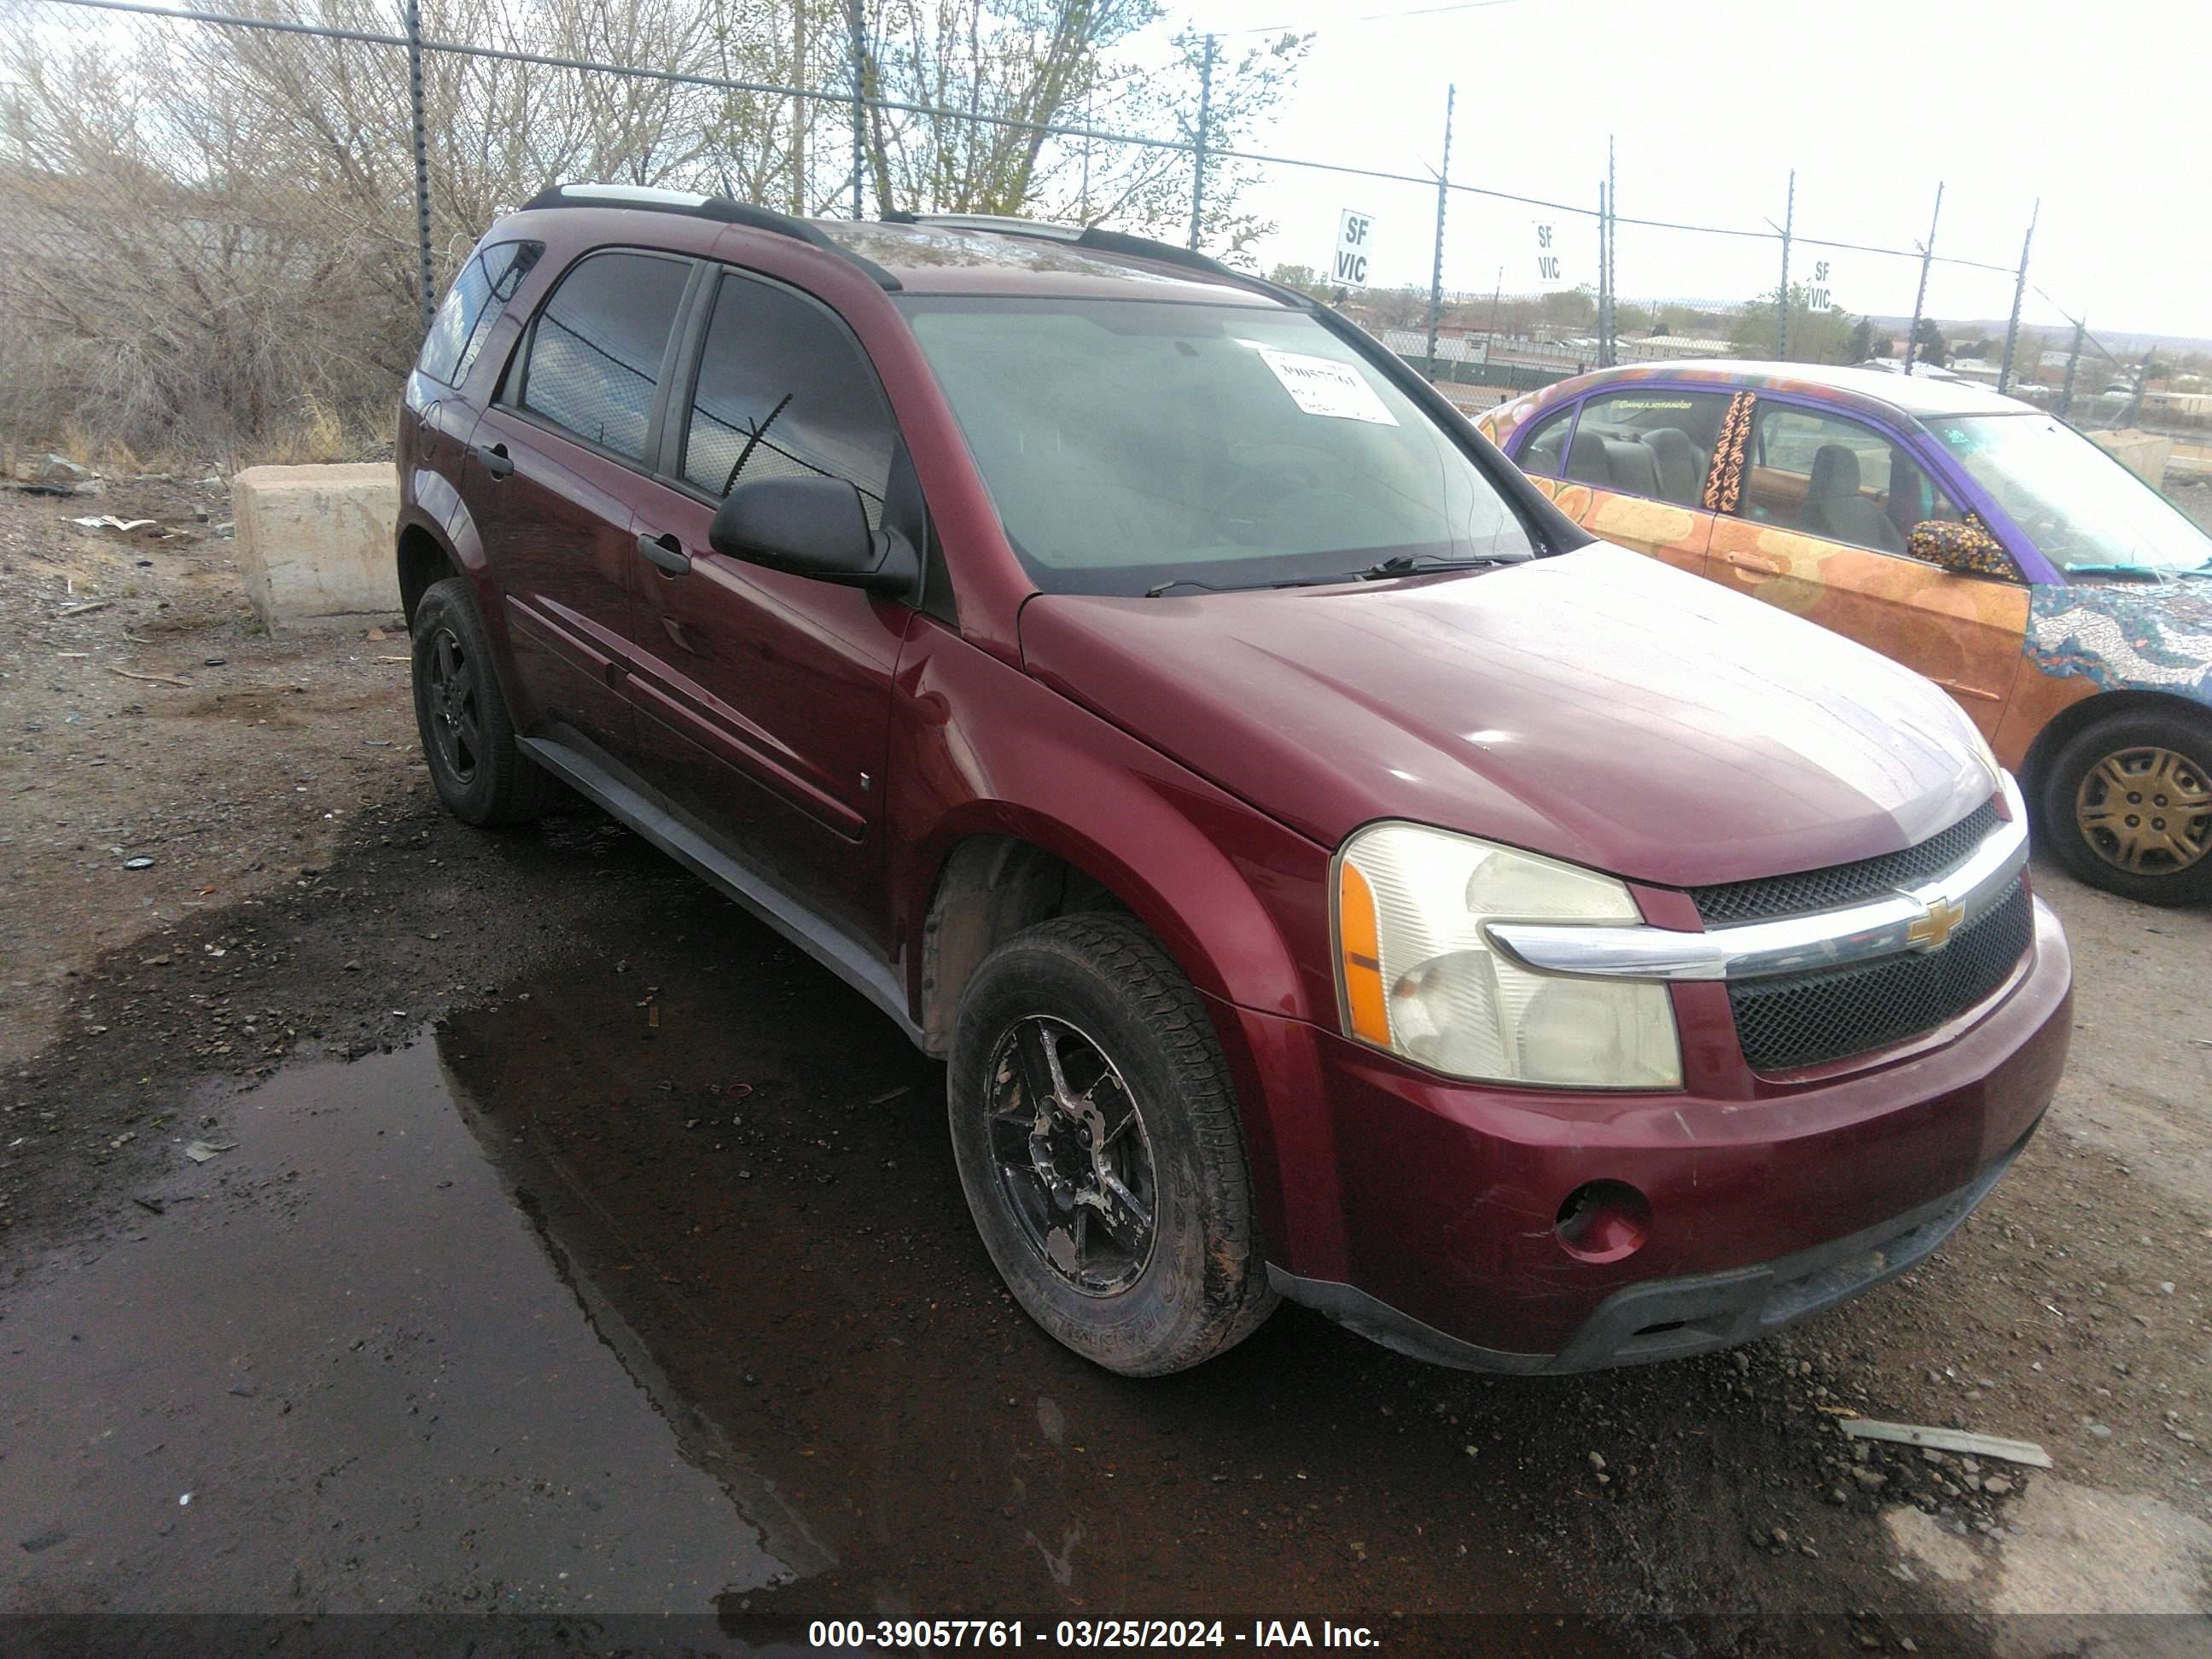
(1803, 1019)
(1842, 884)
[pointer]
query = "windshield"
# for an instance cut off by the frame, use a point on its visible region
(2083, 508)
(1130, 445)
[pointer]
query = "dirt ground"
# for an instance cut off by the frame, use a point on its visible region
(562, 1242)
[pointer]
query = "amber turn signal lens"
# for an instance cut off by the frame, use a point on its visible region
(1360, 939)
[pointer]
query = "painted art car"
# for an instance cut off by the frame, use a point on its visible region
(2065, 604)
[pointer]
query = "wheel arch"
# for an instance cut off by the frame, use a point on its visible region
(990, 879)
(2075, 718)
(989, 885)
(423, 559)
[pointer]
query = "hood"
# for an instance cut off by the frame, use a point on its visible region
(1598, 707)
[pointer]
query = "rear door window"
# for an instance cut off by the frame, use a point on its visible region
(478, 294)
(1655, 443)
(1546, 446)
(784, 392)
(1838, 478)
(597, 351)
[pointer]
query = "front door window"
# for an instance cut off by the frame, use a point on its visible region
(1827, 476)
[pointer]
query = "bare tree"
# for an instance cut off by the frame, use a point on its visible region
(208, 238)
(994, 74)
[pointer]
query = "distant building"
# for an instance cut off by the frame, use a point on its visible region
(2178, 405)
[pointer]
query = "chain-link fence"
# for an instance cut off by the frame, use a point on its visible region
(220, 232)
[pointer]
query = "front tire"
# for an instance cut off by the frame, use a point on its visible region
(478, 769)
(2127, 806)
(1096, 1136)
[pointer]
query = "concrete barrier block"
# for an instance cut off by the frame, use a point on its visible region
(2143, 453)
(314, 543)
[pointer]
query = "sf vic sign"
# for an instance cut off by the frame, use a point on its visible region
(1355, 233)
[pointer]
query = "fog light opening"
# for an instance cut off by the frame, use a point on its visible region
(1603, 1221)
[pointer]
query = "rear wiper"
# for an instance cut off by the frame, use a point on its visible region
(1410, 564)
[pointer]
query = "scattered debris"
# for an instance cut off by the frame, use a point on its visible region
(156, 679)
(142, 862)
(151, 1206)
(1953, 1440)
(79, 609)
(109, 521)
(45, 1541)
(202, 1151)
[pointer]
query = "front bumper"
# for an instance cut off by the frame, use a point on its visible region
(1421, 1212)
(1674, 1318)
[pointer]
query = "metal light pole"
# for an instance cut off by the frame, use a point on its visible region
(1489, 334)
(1782, 294)
(2073, 362)
(421, 157)
(1612, 252)
(1920, 299)
(1197, 154)
(2142, 384)
(2019, 290)
(1604, 265)
(799, 112)
(860, 55)
(1437, 265)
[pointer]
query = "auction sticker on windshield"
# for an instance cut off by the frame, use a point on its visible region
(1319, 386)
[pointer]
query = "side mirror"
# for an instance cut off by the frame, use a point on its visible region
(814, 527)
(1966, 548)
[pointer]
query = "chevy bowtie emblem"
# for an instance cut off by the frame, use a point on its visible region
(1933, 929)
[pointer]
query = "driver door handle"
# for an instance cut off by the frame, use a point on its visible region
(665, 554)
(494, 457)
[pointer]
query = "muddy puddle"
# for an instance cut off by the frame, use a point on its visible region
(648, 1288)
(638, 1296)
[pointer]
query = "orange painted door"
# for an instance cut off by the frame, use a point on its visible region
(1817, 527)
(1674, 535)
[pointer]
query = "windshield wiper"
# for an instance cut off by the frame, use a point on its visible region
(1165, 588)
(2155, 571)
(1412, 564)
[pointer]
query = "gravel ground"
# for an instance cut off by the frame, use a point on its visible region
(790, 1284)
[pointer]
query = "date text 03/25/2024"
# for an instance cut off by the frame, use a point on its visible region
(1085, 1634)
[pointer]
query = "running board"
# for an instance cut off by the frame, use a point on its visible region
(838, 951)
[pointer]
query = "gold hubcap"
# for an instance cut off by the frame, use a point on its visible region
(2148, 812)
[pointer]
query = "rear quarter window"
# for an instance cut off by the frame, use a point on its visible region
(474, 302)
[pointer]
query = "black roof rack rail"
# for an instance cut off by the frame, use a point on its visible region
(1099, 240)
(721, 209)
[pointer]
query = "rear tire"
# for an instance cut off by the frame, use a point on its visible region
(2127, 806)
(478, 769)
(1142, 1255)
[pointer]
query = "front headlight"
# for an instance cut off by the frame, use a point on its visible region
(1418, 976)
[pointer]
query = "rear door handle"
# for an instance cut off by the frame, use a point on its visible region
(1757, 563)
(494, 457)
(664, 553)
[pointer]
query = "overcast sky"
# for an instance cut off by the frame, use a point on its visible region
(2101, 110)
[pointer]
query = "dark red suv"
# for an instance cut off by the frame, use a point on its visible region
(1327, 873)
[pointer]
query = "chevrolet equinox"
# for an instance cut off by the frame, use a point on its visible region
(1327, 871)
